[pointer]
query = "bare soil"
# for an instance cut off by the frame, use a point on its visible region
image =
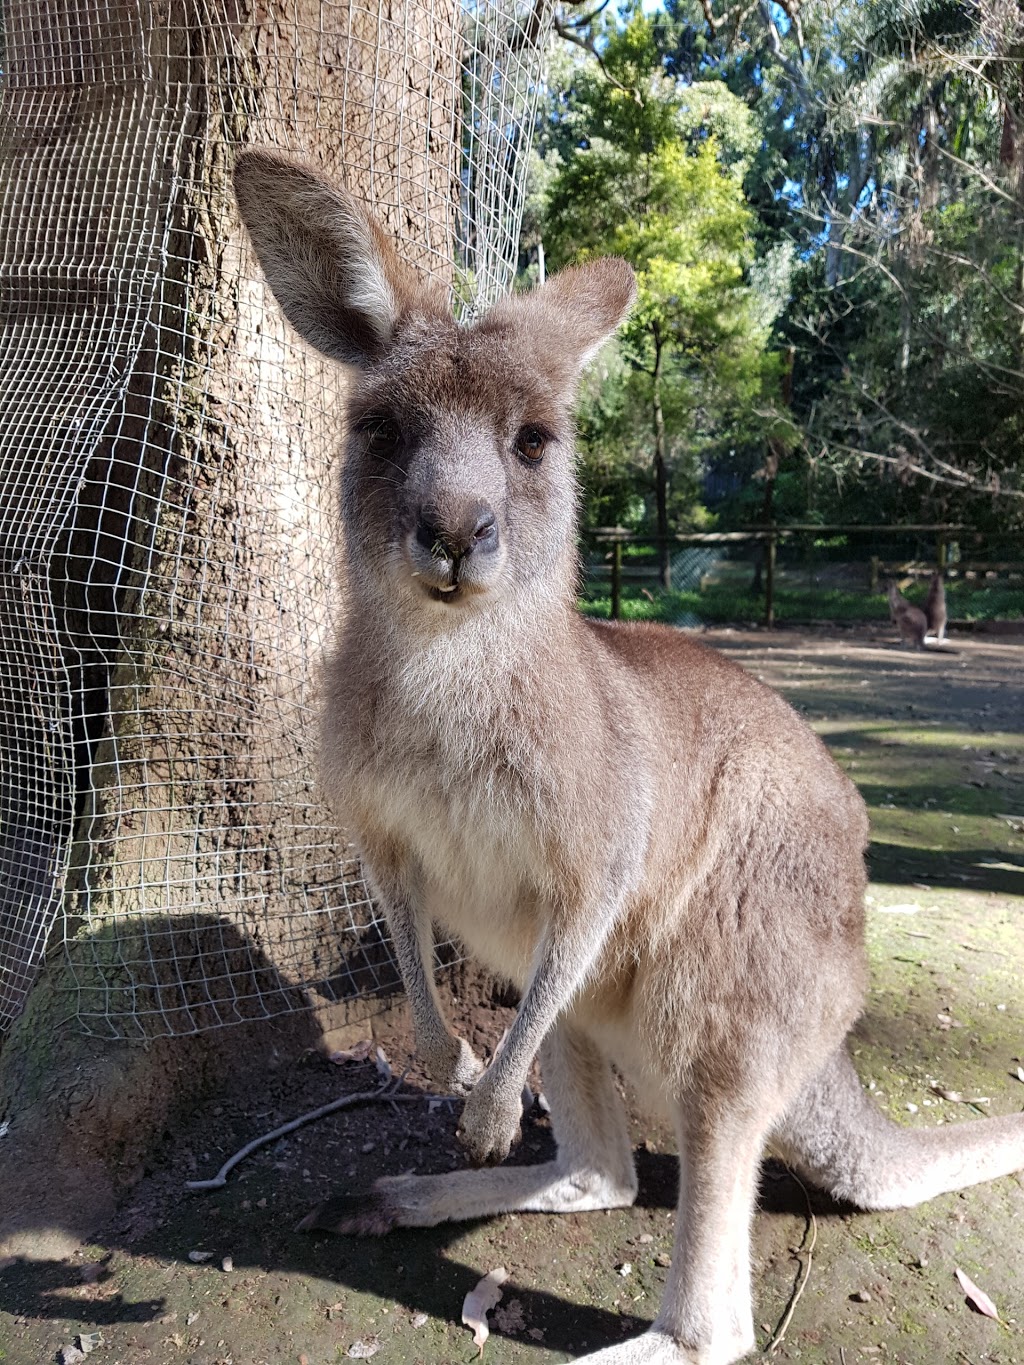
(935, 742)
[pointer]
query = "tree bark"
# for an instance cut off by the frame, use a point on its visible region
(168, 581)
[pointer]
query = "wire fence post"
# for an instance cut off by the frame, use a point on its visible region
(616, 609)
(769, 581)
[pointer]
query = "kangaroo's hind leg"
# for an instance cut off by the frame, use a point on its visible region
(706, 1316)
(593, 1168)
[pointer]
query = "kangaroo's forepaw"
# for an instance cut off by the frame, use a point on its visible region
(358, 1215)
(457, 1069)
(490, 1124)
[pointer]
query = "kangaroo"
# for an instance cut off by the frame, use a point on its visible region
(911, 621)
(648, 842)
(935, 607)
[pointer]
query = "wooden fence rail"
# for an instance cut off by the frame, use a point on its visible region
(770, 537)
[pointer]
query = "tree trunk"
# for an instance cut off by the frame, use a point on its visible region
(661, 467)
(842, 203)
(167, 563)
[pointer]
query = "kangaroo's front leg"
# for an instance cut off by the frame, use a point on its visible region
(570, 946)
(448, 1059)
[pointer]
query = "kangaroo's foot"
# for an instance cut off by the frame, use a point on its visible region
(423, 1201)
(657, 1348)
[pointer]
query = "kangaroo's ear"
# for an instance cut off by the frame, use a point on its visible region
(331, 265)
(575, 312)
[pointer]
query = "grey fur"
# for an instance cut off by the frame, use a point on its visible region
(910, 621)
(651, 844)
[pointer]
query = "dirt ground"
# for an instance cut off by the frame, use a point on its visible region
(936, 742)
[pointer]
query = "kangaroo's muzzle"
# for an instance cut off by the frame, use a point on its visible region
(448, 546)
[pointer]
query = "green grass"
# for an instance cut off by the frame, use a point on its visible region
(721, 602)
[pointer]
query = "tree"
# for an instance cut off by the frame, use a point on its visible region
(167, 460)
(892, 158)
(654, 174)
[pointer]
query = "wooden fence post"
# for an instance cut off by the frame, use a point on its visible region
(616, 610)
(873, 574)
(769, 582)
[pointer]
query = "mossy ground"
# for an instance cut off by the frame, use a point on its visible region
(935, 742)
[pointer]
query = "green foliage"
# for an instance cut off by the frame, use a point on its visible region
(839, 181)
(655, 174)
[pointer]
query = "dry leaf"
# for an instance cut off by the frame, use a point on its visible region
(977, 1297)
(955, 1097)
(479, 1302)
(363, 1348)
(362, 1052)
(382, 1064)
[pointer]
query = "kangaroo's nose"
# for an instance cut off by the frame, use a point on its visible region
(474, 530)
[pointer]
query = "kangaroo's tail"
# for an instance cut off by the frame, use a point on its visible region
(841, 1142)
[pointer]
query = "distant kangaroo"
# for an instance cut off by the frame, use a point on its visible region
(911, 621)
(648, 842)
(935, 607)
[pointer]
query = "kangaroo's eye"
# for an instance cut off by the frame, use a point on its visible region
(383, 436)
(530, 443)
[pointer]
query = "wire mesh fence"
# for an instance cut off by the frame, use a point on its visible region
(167, 450)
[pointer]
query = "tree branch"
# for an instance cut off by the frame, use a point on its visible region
(796, 74)
(585, 19)
(571, 34)
(962, 480)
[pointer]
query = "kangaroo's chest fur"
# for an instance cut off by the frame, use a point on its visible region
(493, 786)
(443, 775)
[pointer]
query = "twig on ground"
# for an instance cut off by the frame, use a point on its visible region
(972, 948)
(811, 1230)
(384, 1092)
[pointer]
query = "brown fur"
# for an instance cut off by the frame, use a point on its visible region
(910, 621)
(648, 842)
